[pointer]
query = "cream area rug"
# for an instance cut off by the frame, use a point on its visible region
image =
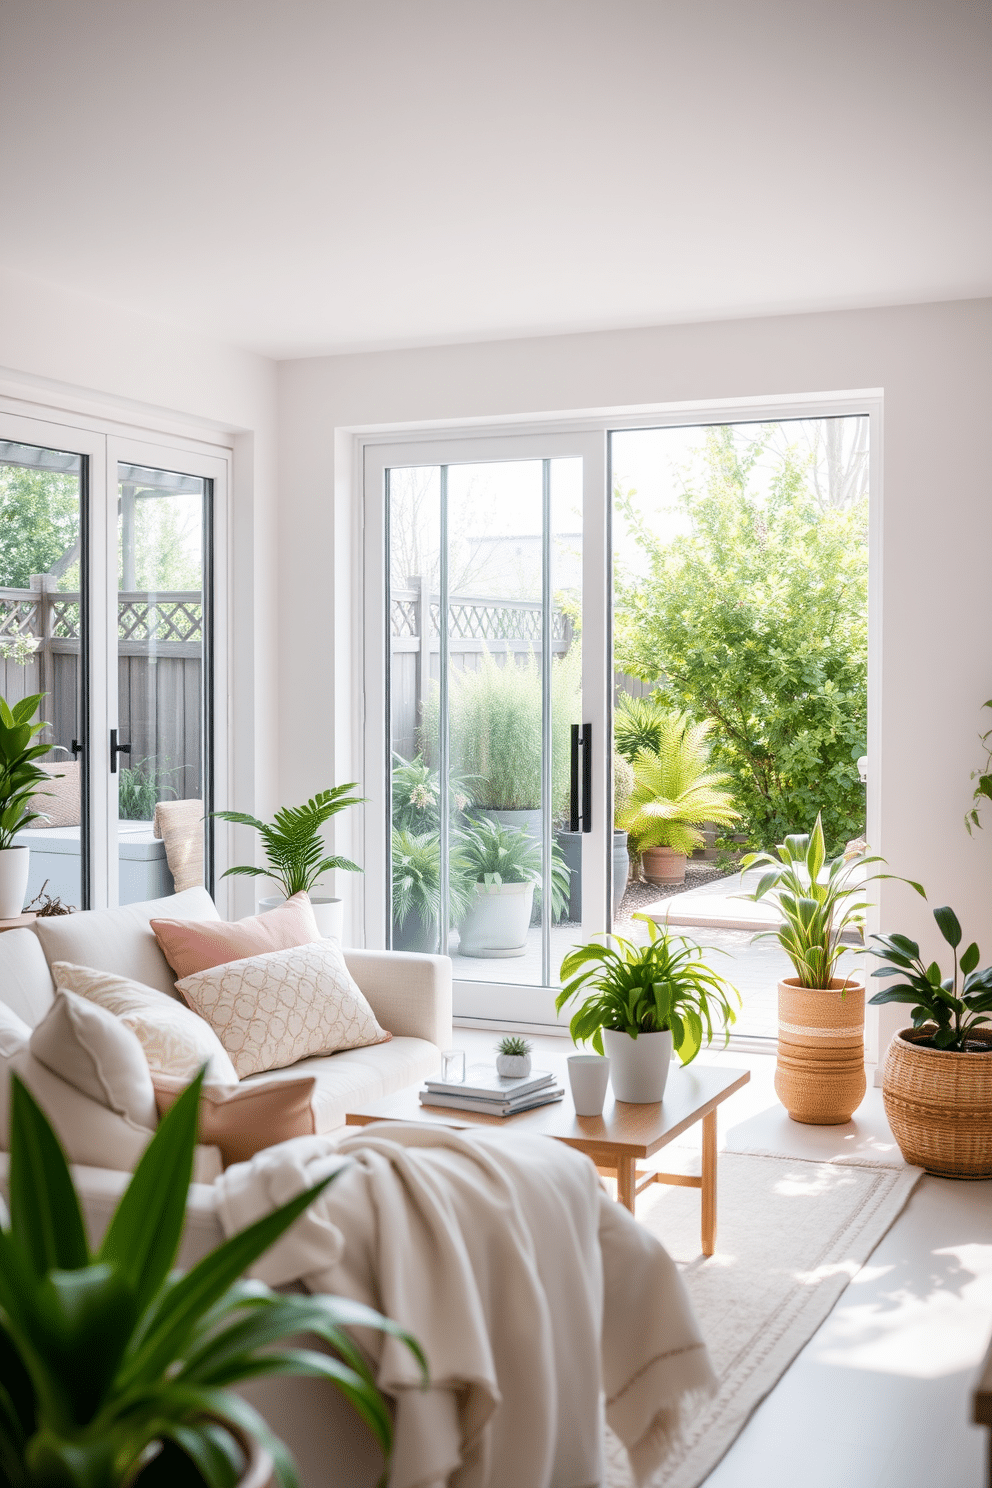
(791, 1234)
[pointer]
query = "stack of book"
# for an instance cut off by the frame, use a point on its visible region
(491, 1094)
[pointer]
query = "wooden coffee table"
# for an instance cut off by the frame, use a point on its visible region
(616, 1140)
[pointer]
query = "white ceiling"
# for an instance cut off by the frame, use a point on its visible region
(304, 176)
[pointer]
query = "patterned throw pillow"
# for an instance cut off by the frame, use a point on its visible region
(270, 1011)
(175, 1040)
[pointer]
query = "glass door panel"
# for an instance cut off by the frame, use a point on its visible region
(43, 635)
(485, 686)
(161, 765)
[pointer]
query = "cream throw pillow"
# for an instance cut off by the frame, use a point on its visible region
(87, 1046)
(175, 1040)
(270, 1011)
(241, 1120)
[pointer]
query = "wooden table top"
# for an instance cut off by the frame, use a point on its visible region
(19, 921)
(623, 1129)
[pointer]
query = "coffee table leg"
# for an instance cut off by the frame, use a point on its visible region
(626, 1181)
(709, 1184)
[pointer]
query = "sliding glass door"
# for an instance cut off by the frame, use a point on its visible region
(108, 597)
(491, 821)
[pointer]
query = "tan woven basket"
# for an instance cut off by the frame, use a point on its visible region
(939, 1105)
(820, 1074)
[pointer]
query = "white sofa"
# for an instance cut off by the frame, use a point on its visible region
(410, 995)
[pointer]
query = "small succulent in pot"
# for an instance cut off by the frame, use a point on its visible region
(513, 1057)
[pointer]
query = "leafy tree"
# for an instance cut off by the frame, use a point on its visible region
(756, 617)
(39, 525)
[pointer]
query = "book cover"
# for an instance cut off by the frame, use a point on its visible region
(481, 1080)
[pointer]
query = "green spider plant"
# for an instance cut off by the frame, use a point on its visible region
(294, 848)
(109, 1358)
(952, 1008)
(818, 898)
(646, 989)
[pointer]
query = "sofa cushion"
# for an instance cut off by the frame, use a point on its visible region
(174, 1039)
(195, 945)
(96, 1052)
(270, 1011)
(25, 981)
(121, 940)
(357, 1077)
(242, 1120)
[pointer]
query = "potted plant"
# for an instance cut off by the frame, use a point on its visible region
(820, 1073)
(415, 792)
(294, 853)
(937, 1079)
(513, 1057)
(114, 1368)
(674, 793)
(20, 778)
(416, 889)
(503, 866)
(623, 789)
(641, 1002)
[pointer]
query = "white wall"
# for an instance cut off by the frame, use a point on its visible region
(934, 365)
(64, 350)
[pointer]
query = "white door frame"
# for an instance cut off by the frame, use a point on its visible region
(476, 1000)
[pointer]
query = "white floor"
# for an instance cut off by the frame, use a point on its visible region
(880, 1396)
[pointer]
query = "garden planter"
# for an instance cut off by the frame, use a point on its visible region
(820, 1074)
(570, 847)
(638, 1067)
(415, 934)
(327, 911)
(621, 869)
(663, 865)
(527, 820)
(496, 925)
(14, 863)
(939, 1104)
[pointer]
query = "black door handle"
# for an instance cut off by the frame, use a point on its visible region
(115, 750)
(76, 748)
(581, 820)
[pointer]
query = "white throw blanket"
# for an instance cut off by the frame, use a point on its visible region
(532, 1294)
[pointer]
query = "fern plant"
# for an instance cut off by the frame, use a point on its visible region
(638, 724)
(674, 789)
(294, 848)
(416, 877)
(495, 854)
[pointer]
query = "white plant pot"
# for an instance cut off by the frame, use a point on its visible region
(327, 911)
(638, 1067)
(497, 923)
(513, 1066)
(14, 863)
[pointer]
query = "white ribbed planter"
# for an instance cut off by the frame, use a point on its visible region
(14, 863)
(638, 1067)
(327, 911)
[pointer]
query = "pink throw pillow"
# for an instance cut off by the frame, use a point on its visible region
(190, 946)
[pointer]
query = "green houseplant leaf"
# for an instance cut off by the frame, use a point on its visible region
(952, 1007)
(294, 848)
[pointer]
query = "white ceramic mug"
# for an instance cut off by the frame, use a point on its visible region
(588, 1075)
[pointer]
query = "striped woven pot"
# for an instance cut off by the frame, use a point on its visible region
(820, 1074)
(939, 1104)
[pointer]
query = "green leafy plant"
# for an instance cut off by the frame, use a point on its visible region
(623, 786)
(515, 1046)
(107, 1357)
(983, 790)
(756, 615)
(416, 795)
(675, 790)
(140, 789)
(952, 1006)
(638, 723)
(416, 879)
(496, 730)
(494, 854)
(294, 848)
(20, 776)
(634, 989)
(819, 899)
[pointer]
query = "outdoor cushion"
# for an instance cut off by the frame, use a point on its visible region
(196, 945)
(121, 940)
(269, 1011)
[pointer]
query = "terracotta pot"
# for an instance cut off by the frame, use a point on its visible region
(663, 865)
(820, 1074)
(939, 1104)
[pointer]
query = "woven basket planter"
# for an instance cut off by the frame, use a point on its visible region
(820, 1074)
(939, 1105)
